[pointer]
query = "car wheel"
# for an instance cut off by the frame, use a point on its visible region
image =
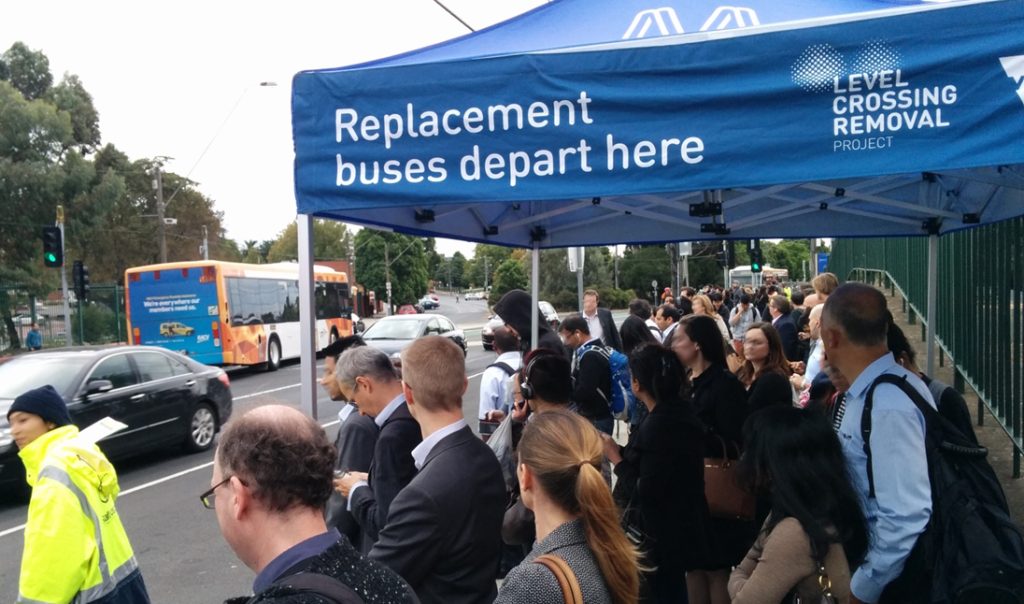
(202, 426)
(273, 355)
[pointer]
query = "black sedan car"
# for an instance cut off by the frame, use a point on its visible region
(393, 334)
(163, 397)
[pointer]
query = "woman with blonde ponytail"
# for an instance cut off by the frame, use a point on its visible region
(560, 479)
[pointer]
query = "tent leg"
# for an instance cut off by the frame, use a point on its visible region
(307, 318)
(535, 294)
(933, 290)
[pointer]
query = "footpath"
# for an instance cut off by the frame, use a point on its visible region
(991, 435)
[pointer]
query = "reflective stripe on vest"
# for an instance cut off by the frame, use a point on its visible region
(109, 580)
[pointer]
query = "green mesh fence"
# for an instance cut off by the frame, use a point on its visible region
(979, 309)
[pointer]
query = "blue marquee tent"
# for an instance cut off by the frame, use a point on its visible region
(591, 122)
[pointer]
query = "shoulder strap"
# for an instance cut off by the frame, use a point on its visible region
(503, 366)
(322, 585)
(865, 418)
(937, 389)
(567, 581)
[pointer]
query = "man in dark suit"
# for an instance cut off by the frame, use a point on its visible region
(357, 435)
(600, 321)
(443, 533)
(368, 378)
(780, 308)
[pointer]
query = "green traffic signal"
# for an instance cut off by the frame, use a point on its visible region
(53, 247)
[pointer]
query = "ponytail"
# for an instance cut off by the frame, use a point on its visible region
(616, 556)
(564, 452)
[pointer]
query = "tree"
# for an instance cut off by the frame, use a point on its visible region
(407, 269)
(458, 270)
(331, 241)
(27, 70)
(33, 180)
(642, 264)
(70, 96)
(509, 275)
(485, 257)
(790, 254)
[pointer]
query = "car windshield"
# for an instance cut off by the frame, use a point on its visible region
(546, 308)
(21, 375)
(393, 330)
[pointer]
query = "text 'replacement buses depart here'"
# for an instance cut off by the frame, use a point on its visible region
(224, 313)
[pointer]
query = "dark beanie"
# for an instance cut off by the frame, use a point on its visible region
(44, 402)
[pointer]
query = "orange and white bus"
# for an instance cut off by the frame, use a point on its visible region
(226, 313)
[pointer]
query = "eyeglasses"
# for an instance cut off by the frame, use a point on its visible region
(209, 498)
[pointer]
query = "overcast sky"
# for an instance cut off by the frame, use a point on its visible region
(169, 78)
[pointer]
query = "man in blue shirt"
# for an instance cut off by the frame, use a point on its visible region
(853, 330)
(34, 339)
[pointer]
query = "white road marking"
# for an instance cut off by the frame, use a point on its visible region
(208, 464)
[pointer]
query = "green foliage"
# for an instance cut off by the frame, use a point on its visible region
(331, 241)
(487, 257)
(640, 265)
(790, 254)
(408, 268)
(509, 275)
(27, 70)
(100, 323)
(70, 96)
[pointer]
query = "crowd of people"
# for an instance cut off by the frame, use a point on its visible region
(409, 505)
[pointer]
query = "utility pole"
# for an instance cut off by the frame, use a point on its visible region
(487, 270)
(158, 186)
(387, 276)
(616, 267)
(206, 244)
(64, 281)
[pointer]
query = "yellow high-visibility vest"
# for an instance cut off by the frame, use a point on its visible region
(75, 545)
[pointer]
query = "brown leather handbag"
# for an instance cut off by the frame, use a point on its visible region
(725, 496)
(571, 592)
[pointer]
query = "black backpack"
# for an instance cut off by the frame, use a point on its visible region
(323, 586)
(970, 551)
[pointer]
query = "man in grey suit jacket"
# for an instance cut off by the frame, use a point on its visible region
(368, 378)
(443, 533)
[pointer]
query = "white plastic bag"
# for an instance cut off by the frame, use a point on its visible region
(501, 443)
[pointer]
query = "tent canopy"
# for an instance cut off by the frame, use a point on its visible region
(590, 122)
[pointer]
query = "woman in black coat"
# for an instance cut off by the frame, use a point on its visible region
(720, 402)
(661, 477)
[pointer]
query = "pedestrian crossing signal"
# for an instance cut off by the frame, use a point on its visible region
(53, 247)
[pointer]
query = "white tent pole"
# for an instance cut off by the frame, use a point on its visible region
(933, 291)
(535, 295)
(307, 318)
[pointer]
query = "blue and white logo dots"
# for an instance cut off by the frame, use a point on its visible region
(817, 67)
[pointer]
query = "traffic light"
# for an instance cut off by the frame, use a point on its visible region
(756, 260)
(53, 247)
(80, 276)
(722, 257)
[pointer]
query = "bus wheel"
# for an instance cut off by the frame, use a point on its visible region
(273, 354)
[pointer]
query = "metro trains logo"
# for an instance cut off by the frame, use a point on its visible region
(873, 100)
(1014, 68)
(665, 21)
